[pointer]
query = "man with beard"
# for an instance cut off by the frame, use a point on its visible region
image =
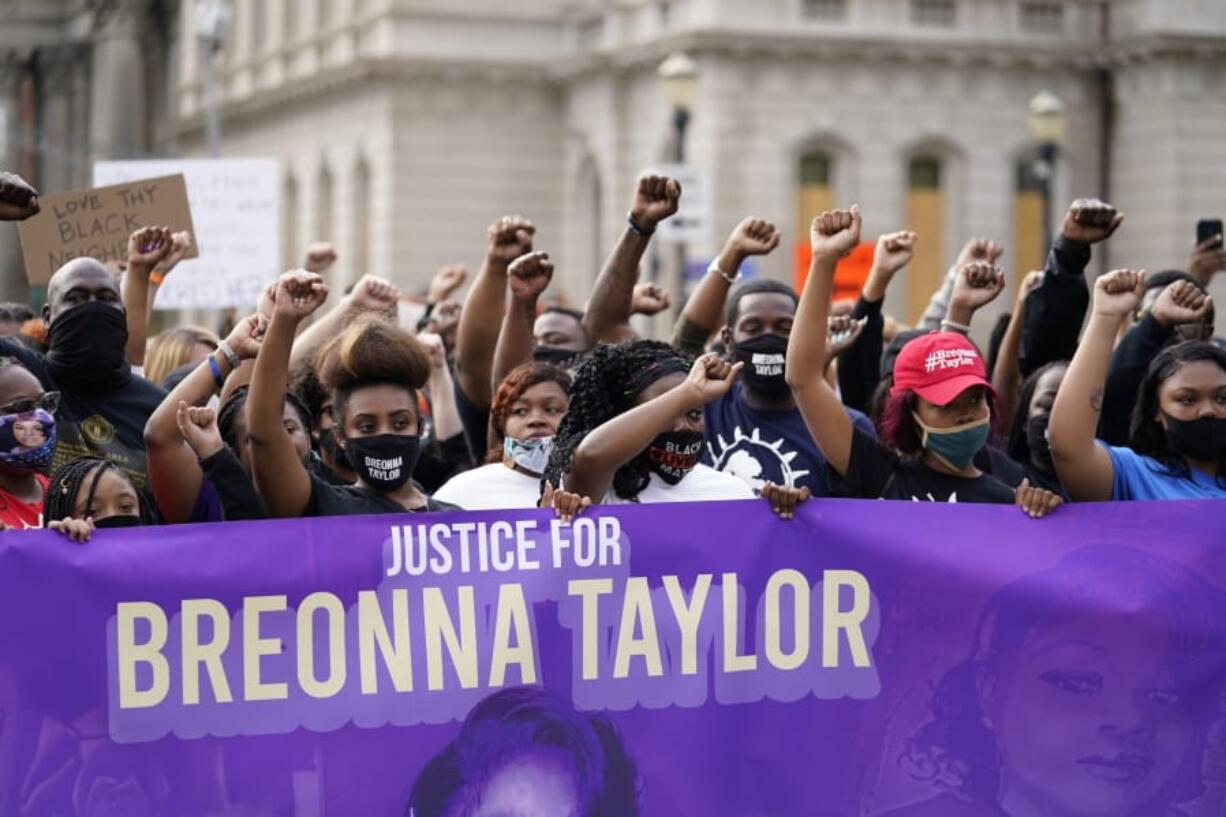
(755, 432)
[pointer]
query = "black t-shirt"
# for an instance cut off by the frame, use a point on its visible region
(102, 423)
(350, 500)
(876, 472)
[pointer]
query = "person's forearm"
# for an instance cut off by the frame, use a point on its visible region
(806, 355)
(609, 309)
(1007, 376)
(938, 305)
(514, 340)
(314, 337)
(617, 442)
(1074, 417)
(137, 303)
(153, 294)
(477, 334)
(1056, 308)
(268, 384)
(706, 304)
(860, 364)
(195, 389)
(443, 409)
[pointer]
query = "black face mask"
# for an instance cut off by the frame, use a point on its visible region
(1203, 440)
(764, 358)
(674, 454)
(551, 354)
(86, 347)
(385, 461)
(127, 521)
(1036, 439)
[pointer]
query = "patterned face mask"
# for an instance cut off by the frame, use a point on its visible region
(530, 455)
(27, 433)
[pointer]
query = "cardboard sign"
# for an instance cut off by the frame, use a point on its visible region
(96, 223)
(236, 207)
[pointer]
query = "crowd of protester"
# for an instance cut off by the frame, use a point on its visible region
(315, 405)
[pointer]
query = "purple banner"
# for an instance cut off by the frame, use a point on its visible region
(866, 658)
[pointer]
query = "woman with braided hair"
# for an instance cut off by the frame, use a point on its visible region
(528, 406)
(92, 492)
(635, 428)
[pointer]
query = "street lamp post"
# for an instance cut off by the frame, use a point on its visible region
(678, 76)
(213, 19)
(1047, 129)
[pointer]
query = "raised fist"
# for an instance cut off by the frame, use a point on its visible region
(893, 252)
(319, 257)
(1181, 302)
(1117, 293)
(529, 275)
(841, 332)
(711, 377)
(374, 294)
(648, 299)
(247, 336)
(655, 199)
(18, 198)
(149, 246)
(446, 281)
(510, 237)
(437, 349)
(753, 236)
(300, 293)
(1090, 221)
(1028, 285)
(977, 285)
(979, 249)
(835, 233)
(198, 426)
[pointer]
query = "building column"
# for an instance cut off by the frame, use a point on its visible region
(117, 92)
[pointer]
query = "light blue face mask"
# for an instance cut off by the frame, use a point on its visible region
(530, 456)
(957, 446)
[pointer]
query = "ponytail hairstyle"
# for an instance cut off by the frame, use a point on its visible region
(372, 352)
(606, 385)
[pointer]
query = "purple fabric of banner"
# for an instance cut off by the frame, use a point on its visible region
(866, 658)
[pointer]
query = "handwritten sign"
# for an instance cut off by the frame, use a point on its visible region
(96, 223)
(236, 208)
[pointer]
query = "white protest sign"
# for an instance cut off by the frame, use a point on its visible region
(236, 212)
(692, 222)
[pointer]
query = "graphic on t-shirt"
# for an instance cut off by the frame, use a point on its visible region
(755, 461)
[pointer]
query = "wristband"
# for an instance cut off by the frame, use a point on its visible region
(230, 355)
(715, 268)
(157, 277)
(634, 225)
(215, 368)
(957, 327)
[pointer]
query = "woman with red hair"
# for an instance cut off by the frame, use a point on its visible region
(527, 408)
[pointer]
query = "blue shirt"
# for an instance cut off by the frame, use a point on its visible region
(767, 446)
(1141, 477)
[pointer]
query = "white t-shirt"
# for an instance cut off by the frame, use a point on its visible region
(703, 484)
(491, 487)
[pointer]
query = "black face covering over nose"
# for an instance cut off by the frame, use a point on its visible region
(86, 348)
(1203, 440)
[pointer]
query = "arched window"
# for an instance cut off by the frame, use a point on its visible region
(289, 223)
(361, 219)
(926, 215)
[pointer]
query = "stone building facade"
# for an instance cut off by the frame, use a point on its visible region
(404, 127)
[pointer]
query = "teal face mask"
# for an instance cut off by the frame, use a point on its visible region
(956, 446)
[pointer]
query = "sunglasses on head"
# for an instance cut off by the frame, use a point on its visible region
(49, 402)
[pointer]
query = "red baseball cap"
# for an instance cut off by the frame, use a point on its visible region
(938, 367)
